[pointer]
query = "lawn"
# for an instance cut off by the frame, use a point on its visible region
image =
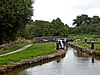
(90, 37)
(13, 48)
(82, 36)
(37, 49)
(96, 46)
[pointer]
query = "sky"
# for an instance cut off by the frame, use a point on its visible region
(66, 10)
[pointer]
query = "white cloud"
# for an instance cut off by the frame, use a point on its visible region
(67, 10)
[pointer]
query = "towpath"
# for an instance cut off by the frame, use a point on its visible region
(21, 49)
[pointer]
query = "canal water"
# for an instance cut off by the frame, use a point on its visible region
(74, 63)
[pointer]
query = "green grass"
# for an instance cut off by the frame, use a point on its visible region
(13, 48)
(82, 36)
(83, 44)
(96, 46)
(90, 37)
(35, 50)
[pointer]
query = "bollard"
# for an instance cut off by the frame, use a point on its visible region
(85, 40)
(57, 45)
(92, 44)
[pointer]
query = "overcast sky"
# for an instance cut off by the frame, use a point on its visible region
(66, 10)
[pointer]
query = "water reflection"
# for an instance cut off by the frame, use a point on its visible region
(92, 60)
(74, 63)
(59, 60)
(81, 56)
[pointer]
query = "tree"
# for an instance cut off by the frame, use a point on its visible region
(95, 19)
(85, 24)
(77, 21)
(81, 20)
(40, 28)
(44, 28)
(13, 15)
(57, 28)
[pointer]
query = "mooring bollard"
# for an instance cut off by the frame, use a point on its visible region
(85, 39)
(92, 44)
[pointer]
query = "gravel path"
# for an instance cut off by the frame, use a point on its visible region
(21, 49)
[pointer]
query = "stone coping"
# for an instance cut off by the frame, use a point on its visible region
(84, 49)
(14, 65)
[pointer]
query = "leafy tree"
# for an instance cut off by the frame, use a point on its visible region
(85, 24)
(98, 29)
(25, 32)
(71, 30)
(95, 19)
(58, 28)
(45, 28)
(13, 15)
(81, 20)
(93, 28)
(40, 28)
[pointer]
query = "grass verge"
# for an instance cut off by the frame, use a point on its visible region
(96, 46)
(82, 36)
(90, 37)
(35, 50)
(13, 48)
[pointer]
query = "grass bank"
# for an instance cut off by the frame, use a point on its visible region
(90, 37)
(82, 36)
(37, 49)
(96, 46)
(13, 48)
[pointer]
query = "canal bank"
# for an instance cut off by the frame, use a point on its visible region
(14, 65)
(84, 49)
(74, 63)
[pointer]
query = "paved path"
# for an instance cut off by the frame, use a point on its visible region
(21, 49)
